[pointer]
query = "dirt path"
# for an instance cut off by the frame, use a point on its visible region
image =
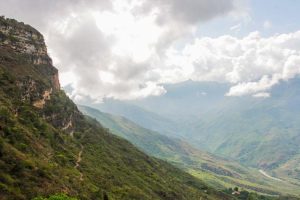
(79, 158)
(268, 176)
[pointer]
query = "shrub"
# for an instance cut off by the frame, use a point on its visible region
(56, 197)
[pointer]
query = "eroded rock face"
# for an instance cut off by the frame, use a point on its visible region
(41, 102)
(55, 82)
(23, 50)
(24, 39)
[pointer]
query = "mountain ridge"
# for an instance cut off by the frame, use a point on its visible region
(43, 135)
(215, 170)
(258, 132)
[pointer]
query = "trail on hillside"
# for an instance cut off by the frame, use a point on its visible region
(79, 158)
(268, 176)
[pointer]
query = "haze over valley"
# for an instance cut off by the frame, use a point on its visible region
(149, 99)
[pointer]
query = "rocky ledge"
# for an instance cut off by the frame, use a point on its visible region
(23, 39)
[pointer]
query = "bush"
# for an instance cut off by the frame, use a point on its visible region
(1, 146)
(56, 197)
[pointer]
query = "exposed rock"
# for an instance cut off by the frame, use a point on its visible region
(40, 86)
(28, 88)
(46, 96)
(24, 39)
(55, 82)
(68, 125)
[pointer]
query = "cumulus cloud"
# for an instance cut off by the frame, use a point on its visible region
(127, 49)
(41, 13)
(255, 88)
(189, 11)
(253, 64)
(115, 48)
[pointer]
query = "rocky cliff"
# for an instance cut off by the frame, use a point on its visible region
(24, 39)
(38, 157)
(39, 83)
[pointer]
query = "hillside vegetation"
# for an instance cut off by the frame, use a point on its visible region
(216, 171)
(47, 146)
(258, 132)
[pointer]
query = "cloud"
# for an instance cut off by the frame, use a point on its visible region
(127, 49)
(254, 88)
(115, 49)
(262, 95)
(236, 27)
(267, 24)
(253, 64)
(189, 11)
(40, 13)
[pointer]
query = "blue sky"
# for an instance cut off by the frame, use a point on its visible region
(282, 16)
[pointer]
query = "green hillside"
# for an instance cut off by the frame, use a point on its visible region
(258, 132)
(47, 146)
(216, 171)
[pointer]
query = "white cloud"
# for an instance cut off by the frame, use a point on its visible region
(236, 28)
(126, 49)
(253, 64)
(262, 95)
(115, 48)
(267, 24)
(254, 88)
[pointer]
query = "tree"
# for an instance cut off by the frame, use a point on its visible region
(105, 196)
(56, 197)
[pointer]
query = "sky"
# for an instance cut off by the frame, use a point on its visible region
(128, 49)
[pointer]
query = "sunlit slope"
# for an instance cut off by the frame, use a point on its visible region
(216, 171)
(47, 146)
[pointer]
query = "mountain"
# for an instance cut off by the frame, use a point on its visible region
(216, 171)
(258, 132)
(48, 146)
(143, 117)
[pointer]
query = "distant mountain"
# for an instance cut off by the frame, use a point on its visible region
(258, 132)
(143, 117)
(214, 170)
(47, 146)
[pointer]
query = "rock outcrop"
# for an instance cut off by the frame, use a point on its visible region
(24, 40)
(36, 77)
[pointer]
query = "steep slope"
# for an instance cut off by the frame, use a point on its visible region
(259, 132)
(214, 170)
(48, 146)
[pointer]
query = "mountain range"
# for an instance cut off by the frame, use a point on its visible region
(48, 147)
(258, 132)
(214, 170)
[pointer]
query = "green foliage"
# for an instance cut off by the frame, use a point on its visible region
(40, 158)
(214, 170)
(105, 196)
(245, 195)
(55, 197)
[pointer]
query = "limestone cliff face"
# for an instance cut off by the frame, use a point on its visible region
(24, 40)
(24, 53)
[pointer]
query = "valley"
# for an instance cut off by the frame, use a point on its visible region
(258, 132)
(145, 106)
(215, 170)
